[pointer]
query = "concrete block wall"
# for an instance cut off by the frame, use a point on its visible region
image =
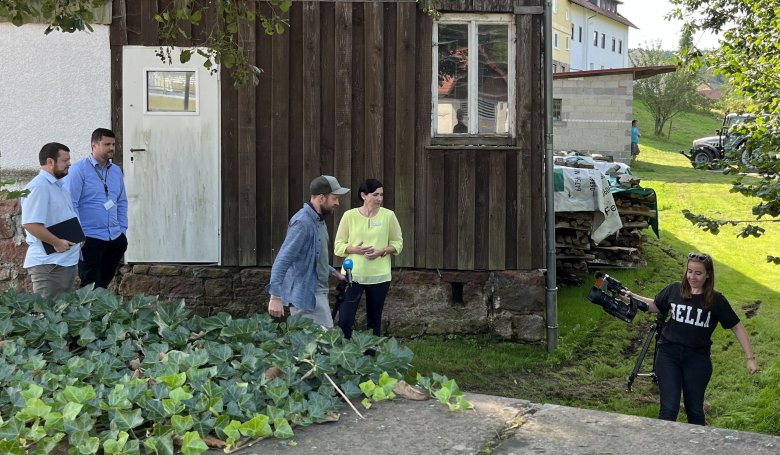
(596, 114)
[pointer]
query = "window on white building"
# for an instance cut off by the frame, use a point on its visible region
(603, 40)
(596, 38)
(555, 40)
(620, 47)
(472, 67)
(613, 44)
(567, 42)
(580, 38)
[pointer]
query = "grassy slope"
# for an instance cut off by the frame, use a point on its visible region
(596, 352)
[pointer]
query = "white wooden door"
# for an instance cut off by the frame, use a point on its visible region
(171, 158)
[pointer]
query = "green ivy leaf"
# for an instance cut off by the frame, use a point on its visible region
(125, 420)
(12, 448)
(35, 409)
(219, 352)
(11, 429)
(160, 445)
(368, 387)
(182, 424)
(218, 321)
(257, 427)
(79, 394)
(274, 413)
(282, 429)
(196, 358)
(33, 392)
(232, 431)
(86, 336)
(71, 410)
(180, 394)
(277, 390)
(116, 446)
(175, 380)
(348, 356)
(192, 444)
(46, 445)
(54, 422)
(172, 407)
(463, 403)
(443, 395)
(204, 424)
(88, 446)
(366, 403)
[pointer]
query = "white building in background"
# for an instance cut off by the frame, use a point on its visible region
(599, 35)
(53, 88)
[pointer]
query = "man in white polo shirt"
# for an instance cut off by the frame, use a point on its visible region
(47, 204)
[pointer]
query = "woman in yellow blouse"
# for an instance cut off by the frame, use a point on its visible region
(368, 235)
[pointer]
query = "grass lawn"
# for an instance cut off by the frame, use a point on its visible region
(597, 352)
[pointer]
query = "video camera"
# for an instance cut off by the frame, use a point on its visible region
(610, 300)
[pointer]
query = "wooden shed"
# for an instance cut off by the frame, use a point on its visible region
(350, 90)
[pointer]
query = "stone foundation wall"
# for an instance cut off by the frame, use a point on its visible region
(509, 304)
(12, 248)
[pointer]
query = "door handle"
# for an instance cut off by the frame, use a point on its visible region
(137, 150)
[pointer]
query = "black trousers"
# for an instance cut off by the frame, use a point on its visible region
(375, 303)
(100, 259)
(685, 370)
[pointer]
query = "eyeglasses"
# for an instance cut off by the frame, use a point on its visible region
(699, 256)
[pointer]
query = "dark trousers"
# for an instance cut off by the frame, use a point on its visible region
(685, 370)
(100, 259)
(375, 303)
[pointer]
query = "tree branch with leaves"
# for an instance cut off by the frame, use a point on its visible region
(225, 42)
(749, 58)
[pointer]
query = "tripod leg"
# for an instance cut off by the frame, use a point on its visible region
(638, 365)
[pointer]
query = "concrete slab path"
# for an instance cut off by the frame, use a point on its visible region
(505, 426)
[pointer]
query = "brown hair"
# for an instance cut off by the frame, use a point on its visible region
(708, 294)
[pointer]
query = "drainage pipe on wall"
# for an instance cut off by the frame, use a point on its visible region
(551, 295)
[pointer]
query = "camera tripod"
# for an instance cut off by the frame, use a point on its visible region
(653, 333)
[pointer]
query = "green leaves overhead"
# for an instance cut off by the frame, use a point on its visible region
(749, 61)
(101, 373)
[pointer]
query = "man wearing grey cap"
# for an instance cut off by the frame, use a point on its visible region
(299, 276)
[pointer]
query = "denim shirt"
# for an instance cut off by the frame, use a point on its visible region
(294, 273)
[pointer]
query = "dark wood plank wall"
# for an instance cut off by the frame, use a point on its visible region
(347, 91)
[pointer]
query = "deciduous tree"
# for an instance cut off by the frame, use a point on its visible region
(666, 95)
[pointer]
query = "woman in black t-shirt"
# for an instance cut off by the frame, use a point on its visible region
(683, 363)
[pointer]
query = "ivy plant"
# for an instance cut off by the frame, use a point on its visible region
(93, 372)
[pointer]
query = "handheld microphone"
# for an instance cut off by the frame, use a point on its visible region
(347, 265)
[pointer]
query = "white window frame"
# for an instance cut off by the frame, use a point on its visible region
(472, 20)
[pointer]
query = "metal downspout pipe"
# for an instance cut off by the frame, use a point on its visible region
(551, 295)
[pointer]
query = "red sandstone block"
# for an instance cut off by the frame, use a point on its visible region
(11, 207)
(11, 253)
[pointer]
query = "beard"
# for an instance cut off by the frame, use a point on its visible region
(60, 173)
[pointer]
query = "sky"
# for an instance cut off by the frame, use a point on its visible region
(648, 16)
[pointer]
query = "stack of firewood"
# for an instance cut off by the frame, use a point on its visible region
(576, 253)
(623, 249)
(572, 245)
